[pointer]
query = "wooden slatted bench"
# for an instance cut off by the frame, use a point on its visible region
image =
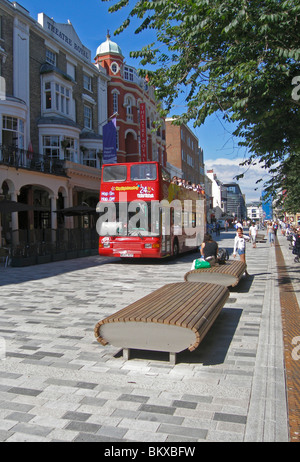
(227, 275)
(171, 319)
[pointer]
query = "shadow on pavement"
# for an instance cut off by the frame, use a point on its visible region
(17, 275)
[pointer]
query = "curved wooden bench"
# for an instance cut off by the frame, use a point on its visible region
(227, 275)
(173, 318)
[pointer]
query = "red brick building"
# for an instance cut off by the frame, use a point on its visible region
(184, 153)
(125, 93)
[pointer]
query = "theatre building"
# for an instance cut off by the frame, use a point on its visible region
(140, 131)
(53, 102)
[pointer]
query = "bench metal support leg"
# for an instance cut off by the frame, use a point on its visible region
(172, 358)
(126, 354)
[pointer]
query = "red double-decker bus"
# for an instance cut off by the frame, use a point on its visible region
(143, 214)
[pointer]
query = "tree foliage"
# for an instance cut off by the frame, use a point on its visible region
(239, 57)
(287, 185)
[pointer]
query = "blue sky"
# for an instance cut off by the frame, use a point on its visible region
(91, 21)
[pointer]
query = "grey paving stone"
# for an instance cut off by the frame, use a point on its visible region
(5, 435)
(157, 409)
(91, 401)
(79, 416)
(24, 391)
(83, 427)
(233, 418)
(9, 375)
(183, 431)
(20, 416)
(185, 404)
(112, 432)
(15, 406)
(134, 398)
(91, 438)
(182, 439)
(35, 430)
(197, 398)
(86, 385)
(157, 417)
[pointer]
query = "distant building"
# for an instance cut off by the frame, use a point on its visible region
(219, 195)
(236, 206)
(210, 214)
(254, 211)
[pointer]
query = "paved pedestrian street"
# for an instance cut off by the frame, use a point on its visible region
(57, 383)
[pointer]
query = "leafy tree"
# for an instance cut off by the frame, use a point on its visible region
(286, 182)
(239, 57)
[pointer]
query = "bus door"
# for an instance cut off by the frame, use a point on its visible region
(166, 240)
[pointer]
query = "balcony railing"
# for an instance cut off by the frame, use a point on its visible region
(21, 158)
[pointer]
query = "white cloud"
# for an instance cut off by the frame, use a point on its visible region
(227, 169)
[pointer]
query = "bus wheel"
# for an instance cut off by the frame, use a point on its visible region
(175, 249)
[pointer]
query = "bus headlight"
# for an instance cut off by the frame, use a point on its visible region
(149, 245)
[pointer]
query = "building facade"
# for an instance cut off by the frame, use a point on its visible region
(184, 153)
(219, 195)
(254, 212)
(53, 98)
(236, 206)
(132, 100)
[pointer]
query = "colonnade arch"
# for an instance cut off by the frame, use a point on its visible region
(16, 227)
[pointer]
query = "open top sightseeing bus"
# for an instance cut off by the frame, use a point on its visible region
(143, 214)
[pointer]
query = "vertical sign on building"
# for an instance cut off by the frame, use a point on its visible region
(110, 143)
(143, 131)
(267, 207)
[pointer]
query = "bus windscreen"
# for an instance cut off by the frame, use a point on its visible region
(135, 219)
(143, 172)
(114, 173)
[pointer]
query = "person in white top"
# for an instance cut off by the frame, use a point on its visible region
(240, 246)
(253, 233)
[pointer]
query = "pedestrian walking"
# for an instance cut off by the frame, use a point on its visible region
(240, 246)
(271, 233)
(253, 234)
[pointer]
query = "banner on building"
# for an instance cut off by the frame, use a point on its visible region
(143, 131)
(110, 143)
